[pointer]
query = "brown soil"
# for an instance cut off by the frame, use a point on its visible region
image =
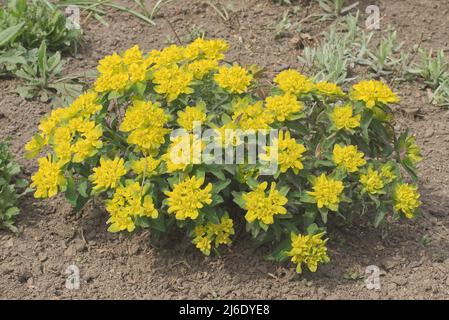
(413, 256)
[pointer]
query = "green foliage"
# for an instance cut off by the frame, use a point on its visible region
(29, 23)
(95, 8)
(42, 74)
(335, 8)
(11, 187)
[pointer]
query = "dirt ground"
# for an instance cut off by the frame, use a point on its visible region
(413, 256)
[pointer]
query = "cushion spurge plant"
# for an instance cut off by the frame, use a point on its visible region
(138, 141)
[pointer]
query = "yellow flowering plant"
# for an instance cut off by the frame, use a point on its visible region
(159, 140)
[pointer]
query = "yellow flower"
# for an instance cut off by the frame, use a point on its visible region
(233, 79)
(291, 81)
(201, 68)
(204, 244)
(343, 118)
(190, 115)
(108, 174)
(386, 172)
(221, 232)
(372, 181)
(207, 49)
(412, 150)
(34, 146)
(85, 105)
(132, 56)
(261, 207)
(143, 114)
(348, 158)
(127, 204)
(145, 166)
(329, 89)
(166, 57)
(308, 249)
(172, 81)
(182, 152)
(406, 199)
(326, 192)
(289, 155)
(283, 107)
(187, 198)
(145, 120)
(48, 179)
(88, 144)
(119, 72)
(372, 92)
(251, 116)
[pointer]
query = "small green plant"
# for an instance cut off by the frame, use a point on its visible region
(95, 8)
(43, 77)
(330, 61)
(387, 58)
(441, 94)
(335, 8)
(29, 23)
(12, 188)
(195, 32)
(432, 67)
(222, 10)
(283, 26)
(11, 59)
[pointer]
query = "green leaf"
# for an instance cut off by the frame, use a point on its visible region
(238, 199)
(82, 189)
(252, 183)
(70, 192)
(380, 215)
(307, 198)
(10, 33)
(42, 61)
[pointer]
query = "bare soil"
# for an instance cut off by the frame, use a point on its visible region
(413, 255)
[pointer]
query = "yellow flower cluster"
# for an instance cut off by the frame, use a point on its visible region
(48, 179)
(326, 192)
(372, 92)
(187, 197)
(406, 199)
(73, 137)
(182, 152)
(291, 81)
(289, 154)
(309, 250)
(329, 89)
(372, 181)
(108, 174)
(70, 132)
(283, 107)
(221, 232)
(190, 115)
(412, 150)
(112, 142)
(348, 157)
(251, 116)
(145, 121)
(145, 166)
(128, 204)
(261, 207)
(233, 79)
(172, 81)
(118, 72)
(342, 117)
